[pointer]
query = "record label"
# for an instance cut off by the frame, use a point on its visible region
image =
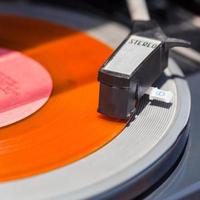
(25, 86)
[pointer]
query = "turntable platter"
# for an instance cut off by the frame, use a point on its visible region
(66, 149)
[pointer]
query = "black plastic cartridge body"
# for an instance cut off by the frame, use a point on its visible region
(133, 68)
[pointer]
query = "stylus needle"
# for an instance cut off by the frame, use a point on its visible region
(160, 95)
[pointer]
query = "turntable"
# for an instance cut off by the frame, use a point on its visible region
(54, 143)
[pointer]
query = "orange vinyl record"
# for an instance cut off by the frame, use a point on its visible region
(67, 127)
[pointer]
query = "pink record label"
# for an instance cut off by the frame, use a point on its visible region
(25, 86)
